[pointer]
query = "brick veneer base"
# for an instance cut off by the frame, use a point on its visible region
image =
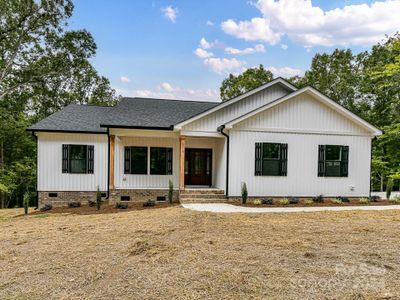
(142, 195)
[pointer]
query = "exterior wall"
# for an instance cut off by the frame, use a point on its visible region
(133, 181)
(50, 176)
(211, 122)
(303, 113)
(142, 195)
(301, 179)
(63, 198)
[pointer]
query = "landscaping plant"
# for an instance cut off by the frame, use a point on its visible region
(337, 201)
(318, 199)
(170, 191)
(98, 198)
(363, 201)
(284, 201)
(389, 188)
(26, 202)
(308, 202)
(244, 193)
(257, 202)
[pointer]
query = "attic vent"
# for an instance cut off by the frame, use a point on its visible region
(161, 198)
(53, 195)
(125, 198)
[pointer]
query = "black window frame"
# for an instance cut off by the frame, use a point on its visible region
(67, 159)
(130, 166)
(261, 161)
(165, 166)
(324, 170)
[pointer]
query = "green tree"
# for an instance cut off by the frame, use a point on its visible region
(236, 85)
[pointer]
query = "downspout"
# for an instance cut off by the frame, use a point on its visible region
(108, 163)
(221, 130)
(37, 168)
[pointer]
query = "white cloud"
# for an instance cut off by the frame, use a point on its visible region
(223, 65)
(358, 24)
(166, 87)
(284, 46)
(124, 79)
(203, 53)
(204, 44)
(257, 48)
(167, 91)
(284, 71)
(209, 23)
(170, 13)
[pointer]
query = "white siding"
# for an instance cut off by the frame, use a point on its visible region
(50, 176)
(301, 113)
(301, 179)
(132, 181)
(211, 122)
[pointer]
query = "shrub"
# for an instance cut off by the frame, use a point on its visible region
(363, 200)
(375, 198)
(389, 187)
(120, 205)
(267, 201)
(395, 200)
(318, 199)
(308, 202)
(98, 198)
(344, 199)
(337, 201)
(74, 204)
(293, 200)
(91, 203)
(284, 201)
(257, 202)
(149, 203)
(46, 207)
(244, 193)
(26, 202)
(170, 191)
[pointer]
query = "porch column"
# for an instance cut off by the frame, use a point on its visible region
(182, 142)
(111, 171)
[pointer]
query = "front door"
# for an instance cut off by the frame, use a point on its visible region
(198, 166)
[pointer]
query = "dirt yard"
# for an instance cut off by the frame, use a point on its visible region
(175, 253)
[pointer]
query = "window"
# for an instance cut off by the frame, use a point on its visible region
(135, 160)
(333, 161)
(78, 159)
(271, 159)
(160, 161)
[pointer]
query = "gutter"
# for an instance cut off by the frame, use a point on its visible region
(221, 130)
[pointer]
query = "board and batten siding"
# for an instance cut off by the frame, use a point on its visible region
(211, 122)
(49, 156)
(302, 165)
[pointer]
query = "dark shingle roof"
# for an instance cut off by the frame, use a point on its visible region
(149, 112)
(130, 112)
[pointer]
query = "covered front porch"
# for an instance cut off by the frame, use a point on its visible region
(192, 162)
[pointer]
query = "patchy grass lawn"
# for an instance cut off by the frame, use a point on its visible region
(176, 253)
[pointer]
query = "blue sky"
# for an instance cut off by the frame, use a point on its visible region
(184, 49)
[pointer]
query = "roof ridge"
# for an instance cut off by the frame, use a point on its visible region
(177, 100)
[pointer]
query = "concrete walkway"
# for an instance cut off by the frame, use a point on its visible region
(229, 208)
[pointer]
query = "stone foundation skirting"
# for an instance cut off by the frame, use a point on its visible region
(57, 199)
(141, 195)
(276, 199)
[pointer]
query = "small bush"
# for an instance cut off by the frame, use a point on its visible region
(284, 201)
(293, 200)
(26, 202)
(74, 204)
(121, 205)
(149, 203)
(395, 200)
(267, 201)
(363, 201)
(170, 191)
(337, 201)
(257, 202)
(244, 193)
(308, 202)
(318, 199)
(98, 198)
(91, 203)
(389, 187)
(46, 207)
(344, 199)
(375, 198)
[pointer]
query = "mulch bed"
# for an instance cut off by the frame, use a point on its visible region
(105, 209)
(315, 204)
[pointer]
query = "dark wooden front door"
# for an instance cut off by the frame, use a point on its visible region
(198, 164)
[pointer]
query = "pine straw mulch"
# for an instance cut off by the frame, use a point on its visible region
(181, 254)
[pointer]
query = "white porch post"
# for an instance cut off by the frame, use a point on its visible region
(182, 142)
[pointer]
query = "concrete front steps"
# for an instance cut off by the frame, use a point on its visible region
(209, 195)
